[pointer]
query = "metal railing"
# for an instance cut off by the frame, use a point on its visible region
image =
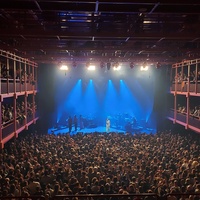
(106, 196)
(141, 196)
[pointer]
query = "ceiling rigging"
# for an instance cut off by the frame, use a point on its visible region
(50, 31)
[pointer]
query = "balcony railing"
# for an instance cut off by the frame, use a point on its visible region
(141, 196)
(8, 86)
(186, 86)
(182, 117)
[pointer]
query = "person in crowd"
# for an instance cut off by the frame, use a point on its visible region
(107, 125)
(196, 112)
(75, 123)
(7, 112)
(70, 124)
(33, 186)
(81, 125)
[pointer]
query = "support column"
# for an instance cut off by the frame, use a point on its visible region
(175, 95)
(1, 144)
(25, 76)
(15, 114)
(20, 76)
(188, 110)
(1, 100)
(181, 78)
(188, 80)
(7, 68)
(25, 108)
(175, 107)
(196, 75)
(35, 77)
(33, 105)
(14, 78)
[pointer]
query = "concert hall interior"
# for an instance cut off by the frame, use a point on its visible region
(134, 63)
(100, 99)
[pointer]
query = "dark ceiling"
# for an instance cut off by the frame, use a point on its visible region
(51, 31)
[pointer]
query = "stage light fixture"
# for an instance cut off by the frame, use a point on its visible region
(102, 64)
(144, 68)
(64, 67)
(117, 67)
(108, 66)
(91, 67)
(132, 65)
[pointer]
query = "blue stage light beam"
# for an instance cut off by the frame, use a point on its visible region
(90, 102)
(128, 101)
(69, 106)
(111, 100)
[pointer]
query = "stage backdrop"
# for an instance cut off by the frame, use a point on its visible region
(124, 96)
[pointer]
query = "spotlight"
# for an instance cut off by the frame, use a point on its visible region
(144, 68)
(91, 67)
(117, 67)
(63, 67)
(108, 66)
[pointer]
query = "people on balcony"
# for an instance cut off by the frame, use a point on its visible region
(7, 112)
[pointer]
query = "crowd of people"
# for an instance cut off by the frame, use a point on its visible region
(7, 112)
(193, 112)
(20, 74)
(182, 76)
(101, 163)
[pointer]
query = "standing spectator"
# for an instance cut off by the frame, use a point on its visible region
(81, 122)
(75, 123)
(107, 125)
(70, 124)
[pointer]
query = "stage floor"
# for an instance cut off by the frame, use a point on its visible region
(100, 129)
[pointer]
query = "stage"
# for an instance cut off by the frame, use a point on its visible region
(100, 129)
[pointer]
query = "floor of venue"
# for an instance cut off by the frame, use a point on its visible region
(100, 129)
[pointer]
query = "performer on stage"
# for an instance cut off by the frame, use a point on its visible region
(70, 124)
(81, 122)
(107, 125)
(75, 123)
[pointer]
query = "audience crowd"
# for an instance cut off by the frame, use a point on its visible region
(7, 112)
(101, 163)
(182, 77)
(193, 112)
(21, 75)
